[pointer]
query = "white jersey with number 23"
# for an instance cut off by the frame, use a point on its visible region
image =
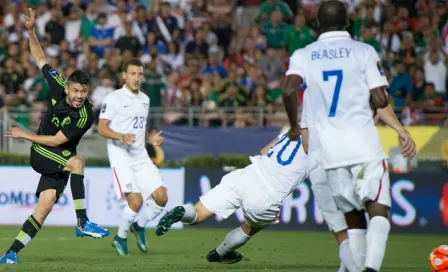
(339, 73)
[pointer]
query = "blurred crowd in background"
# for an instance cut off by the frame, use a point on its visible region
(207, 58)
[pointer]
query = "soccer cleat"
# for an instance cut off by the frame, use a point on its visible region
(9, 258)
(92, 230)
(139, 233)
(120, 245)
(173, 216)
(369, 270)
(230, 258)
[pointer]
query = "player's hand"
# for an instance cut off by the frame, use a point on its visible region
(294, 133)
(128, 138)
(15, 133)
(157, 139)
(407, 144)
(30, 20)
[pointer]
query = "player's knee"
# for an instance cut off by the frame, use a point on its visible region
(75, 164)
(160, 196)
(135, 201)
(356, 219)
(377, 209)
(249, 230)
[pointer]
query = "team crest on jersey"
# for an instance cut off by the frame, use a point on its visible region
(146, 105)
(103, 109)
(66, 153)
(380, 67)
(53, 73)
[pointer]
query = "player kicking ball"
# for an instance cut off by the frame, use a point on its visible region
(137, 180)
(259, 189)
(53, 153)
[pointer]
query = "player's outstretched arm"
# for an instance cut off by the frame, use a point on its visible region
(47, 140)
(35, 48)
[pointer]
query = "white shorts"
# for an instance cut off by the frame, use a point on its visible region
(322, 192)
(354, 185)
(142, 178)
(243, 188)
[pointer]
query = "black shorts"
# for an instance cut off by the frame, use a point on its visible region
(50, 162)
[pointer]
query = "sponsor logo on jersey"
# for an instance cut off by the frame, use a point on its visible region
(103, 109)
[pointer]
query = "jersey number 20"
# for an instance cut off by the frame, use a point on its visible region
(280, 153)
(337, 88)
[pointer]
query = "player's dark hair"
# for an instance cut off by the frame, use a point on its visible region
(332, 16)
(79, 77)
(131, 62)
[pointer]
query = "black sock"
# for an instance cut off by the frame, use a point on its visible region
(78, 193)
(29, 230)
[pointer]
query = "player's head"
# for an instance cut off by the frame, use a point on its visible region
(332, 16)
(133, 74)
(77, 88)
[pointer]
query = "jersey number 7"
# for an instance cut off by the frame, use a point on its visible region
(337, 88)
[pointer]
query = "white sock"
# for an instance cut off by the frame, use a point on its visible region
(190, 215)
(150, 211)
(234, 239)
(346, 255)
(377, 234)
(127, 217)
(358, 244)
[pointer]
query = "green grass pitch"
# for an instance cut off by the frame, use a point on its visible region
(57, 249)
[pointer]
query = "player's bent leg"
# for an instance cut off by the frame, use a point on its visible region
(134, 203)
(226, 252)
(187, 214)
(75, 166)
(31, 226)
(160, 196)
(377, 235)
(151, 208)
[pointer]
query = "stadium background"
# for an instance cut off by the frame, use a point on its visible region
(213, 72)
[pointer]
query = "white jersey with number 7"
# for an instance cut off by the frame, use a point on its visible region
(339, 73)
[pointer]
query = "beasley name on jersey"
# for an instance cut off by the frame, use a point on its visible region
(339, 73)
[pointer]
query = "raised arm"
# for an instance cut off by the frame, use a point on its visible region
(35, 48)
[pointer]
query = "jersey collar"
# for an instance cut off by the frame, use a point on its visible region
(334, 35)
(130, 93)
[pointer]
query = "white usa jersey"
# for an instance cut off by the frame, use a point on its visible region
(127, 113)
(307, 122)
(284, 166)
(339, 73)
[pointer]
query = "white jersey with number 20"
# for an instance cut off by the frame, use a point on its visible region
(339, 73)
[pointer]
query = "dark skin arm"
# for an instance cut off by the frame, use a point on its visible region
(290, 100)
(378, 98)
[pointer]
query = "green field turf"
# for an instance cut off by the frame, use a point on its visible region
(57, 249)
